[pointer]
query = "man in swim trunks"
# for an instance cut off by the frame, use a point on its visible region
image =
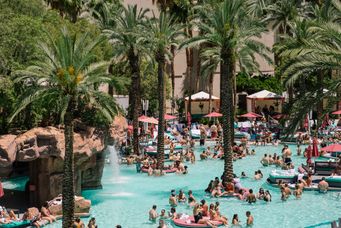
(287, 189)
(204, 208)
(249, 220)
(297, 192)
(172, 199)
(251, 198)
(153, 214)
(323, 185)
(286, 155)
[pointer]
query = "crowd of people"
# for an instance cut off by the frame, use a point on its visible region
(202, 213)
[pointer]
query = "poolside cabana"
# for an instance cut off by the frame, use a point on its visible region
(200, 104)
(264, 98)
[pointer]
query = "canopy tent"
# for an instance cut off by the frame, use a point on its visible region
(250, 115)
(264, 98)
(202, 96)
(214, 114)
(200, 104)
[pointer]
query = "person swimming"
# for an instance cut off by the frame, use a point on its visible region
(173, 199)
(251, 198)
(153, 214)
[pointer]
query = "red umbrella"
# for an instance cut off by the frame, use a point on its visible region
(1, 190)
(142, 118)
(325, 121)
(309, 154)
(189, 118)
(214, 114)
(170, 117)
(250, 115)
(146, 119)
(315, 152)
(279, 116)
(306, 122)
(337, 112)
(332, 148)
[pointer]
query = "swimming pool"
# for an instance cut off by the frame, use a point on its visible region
(126, 199)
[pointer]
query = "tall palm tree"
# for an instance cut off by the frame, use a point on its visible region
(163, 33)
(228, 29)
(180, 12)
(321, 53)
(129, 45)
(280, 14)
(66, 75)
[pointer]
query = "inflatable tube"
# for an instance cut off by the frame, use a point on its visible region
(144, 170)
(16, 224)
(230, 196)
(301, 170)
(190, 223)
(264, 163)
(334, 179)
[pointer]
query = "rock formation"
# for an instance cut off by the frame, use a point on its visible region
(43, 149)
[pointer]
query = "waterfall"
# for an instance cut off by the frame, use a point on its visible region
(114, 161)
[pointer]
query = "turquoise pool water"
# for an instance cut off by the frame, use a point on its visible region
(127, 198)
(15, 183)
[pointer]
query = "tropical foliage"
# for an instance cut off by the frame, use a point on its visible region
(133, 51)
(230, 33)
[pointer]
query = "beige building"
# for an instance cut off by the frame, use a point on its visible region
(180, 60)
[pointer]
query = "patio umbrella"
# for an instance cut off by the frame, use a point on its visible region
(189, 118)
(214, 114)
(146, 119)
(170, 117)
(250, 115)
(306, 122)
(325, 121)
(332, 148)
(309, 154)
(142, 118)
(337, 112)
(279, 116)
(1, 190)
(315, 152)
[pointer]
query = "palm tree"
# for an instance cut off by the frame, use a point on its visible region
(66, 75)
(229, 30)
(67, 8)
(321, 53)
(180, 12)
(163, 33)
(129, 44)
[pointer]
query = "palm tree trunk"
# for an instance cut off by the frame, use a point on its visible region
(189, 61)
(160, 58)
(68, 169)
(110, 87)
(319, 94)
(210, 91)
(173, 77)
(135, 98)
(227, 108)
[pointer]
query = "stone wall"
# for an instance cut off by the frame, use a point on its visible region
(43, 149)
